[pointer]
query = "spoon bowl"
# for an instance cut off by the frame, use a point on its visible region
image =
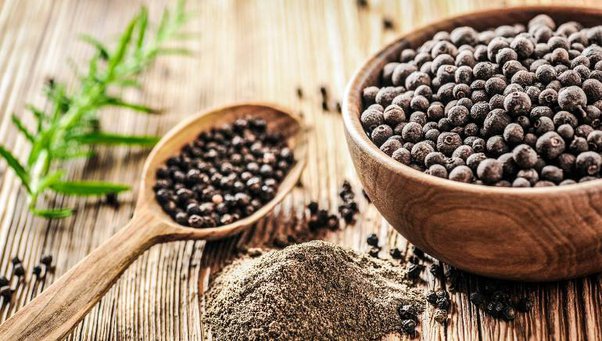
(53, 313)
(278, 119)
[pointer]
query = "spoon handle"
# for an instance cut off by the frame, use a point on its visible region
(53, 313)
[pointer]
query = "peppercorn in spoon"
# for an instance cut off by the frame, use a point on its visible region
(59, 308)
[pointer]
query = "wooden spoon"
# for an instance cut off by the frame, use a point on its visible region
(59, 308)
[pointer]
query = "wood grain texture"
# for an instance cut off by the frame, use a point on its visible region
(247, 50)
(469, 226)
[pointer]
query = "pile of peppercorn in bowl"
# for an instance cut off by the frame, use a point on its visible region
(477, 138)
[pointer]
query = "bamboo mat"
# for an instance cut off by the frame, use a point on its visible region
(246, 50)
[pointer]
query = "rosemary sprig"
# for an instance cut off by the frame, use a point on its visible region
(71, 126)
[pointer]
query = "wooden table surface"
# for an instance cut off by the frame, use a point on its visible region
(246, 50)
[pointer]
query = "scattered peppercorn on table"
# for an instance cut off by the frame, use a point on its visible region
(254, 50)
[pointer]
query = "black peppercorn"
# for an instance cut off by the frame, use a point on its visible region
(496, 121)
(552, 173)
(37, 271)
(393, 115)
(524, 305)
(513, 133)
(543, 125)
(18, 270)
(565, 117)
(396, 253)
(463, 152)
(408, 326)
(496, 145)
(381, 133)
(594, 140)
(416, 79)
(550, 145)
(458, 115)
(418, 252)
(443, 303)
(461, 174)
(372, 239)
(412, 132)
(374, 251)
(509, 313)
(406, 312)
(530, 175)
(583, 130)
(313, 207)
(420, 150)
(473, 160)
(566, 131)
(436, 270)
(490, 171)
(371, 118)
(571, 98)
(578, 145)
(477, 298)
(478, 145)
(545, 73)
(432, 297)
(592, 89)
(402, 155)
(517, 103)
(524, 156)
(6, 293)
(388, 24)
(16, 260)
(438, 171)
(588, 163)
(414, 270)
(448, 142)
(523, 78)
(521, 182)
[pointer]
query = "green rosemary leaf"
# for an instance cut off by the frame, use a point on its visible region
(38, 147)
(122, 48)
(39, 115)
(113, 139)
(22, 128)
(181, 8)
(118, 102)
(78, 154)
(142, 25)
(88, 188)
(128, 83)
(12, 161)
(49, 180)
(92, 69)
(53, 213)
(163, 24)
(103, 51)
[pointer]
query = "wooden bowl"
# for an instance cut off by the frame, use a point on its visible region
(533, 234)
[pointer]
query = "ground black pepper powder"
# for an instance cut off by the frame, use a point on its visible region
(311, 291)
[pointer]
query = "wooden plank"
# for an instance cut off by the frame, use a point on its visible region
(263, 51)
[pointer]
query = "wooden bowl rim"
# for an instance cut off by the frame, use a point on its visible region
(356, 132)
